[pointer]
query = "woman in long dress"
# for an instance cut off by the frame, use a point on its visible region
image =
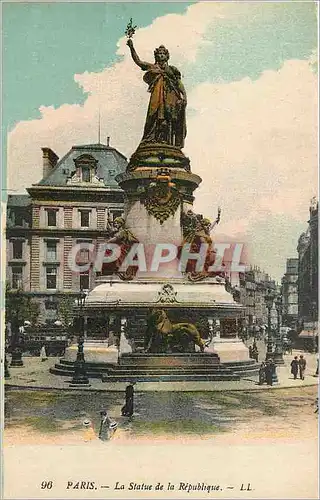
(166, 116)
(107, 426)
(43, 353)
(127, 409)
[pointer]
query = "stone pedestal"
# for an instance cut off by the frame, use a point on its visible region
(174, 360)
(16, 358)
(157, 195)
(159, 187)
(95, 352)
(229, 350)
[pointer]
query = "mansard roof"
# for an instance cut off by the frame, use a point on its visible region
(18, 200)
(109, 163)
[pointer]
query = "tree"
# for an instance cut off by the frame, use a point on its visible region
(20, 307)
(66, 310)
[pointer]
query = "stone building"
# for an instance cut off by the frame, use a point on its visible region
(308, 269)
(253, 287)
(74, 202)
(290, 293)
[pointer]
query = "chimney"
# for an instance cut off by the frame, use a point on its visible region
(49, 161)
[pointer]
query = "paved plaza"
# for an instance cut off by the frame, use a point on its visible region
(35, 374)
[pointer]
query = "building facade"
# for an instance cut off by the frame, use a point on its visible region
(253, 286)
(290, 293)
(308, 270)
(75, 202)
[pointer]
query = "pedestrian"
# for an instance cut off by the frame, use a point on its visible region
(255, 352)
(250, 352)
(89, 433)
(295, 367)
(127, 409)
(317, 370)
(316, 403)
(43, 353)
(302, 366)
(273, 372)
(269, 369)
(262, 373)
(107, 426)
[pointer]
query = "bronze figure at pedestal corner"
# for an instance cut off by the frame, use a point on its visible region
(166, 116)
(122, 236)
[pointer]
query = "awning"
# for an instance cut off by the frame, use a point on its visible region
(308, 334)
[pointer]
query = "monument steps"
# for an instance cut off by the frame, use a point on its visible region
(172, 378)
(243, 368)
(99, 370)
(142, 367)
(153, 377)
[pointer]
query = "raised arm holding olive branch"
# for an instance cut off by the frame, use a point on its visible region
(166, 116)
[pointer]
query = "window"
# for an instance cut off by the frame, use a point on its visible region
(84, 218)
(86, 174)
(52, 218)
(51, 251)
(51, 277)
(84, 281)
(17, 249)
(84, 256)
(16, 277)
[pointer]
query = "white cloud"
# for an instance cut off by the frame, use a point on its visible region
(254, 143)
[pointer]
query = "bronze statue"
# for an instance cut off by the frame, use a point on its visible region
(196, 228)
(196, 231)
(164, 336)
(120, 233)
(166, 116)
(123, 237)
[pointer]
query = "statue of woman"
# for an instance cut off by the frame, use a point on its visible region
(166, 116)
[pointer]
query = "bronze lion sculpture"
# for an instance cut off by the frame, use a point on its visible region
(164, 336)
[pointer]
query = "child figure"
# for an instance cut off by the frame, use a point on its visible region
(89, 433)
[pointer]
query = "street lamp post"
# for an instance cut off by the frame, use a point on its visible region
(80, 373)
(314, 324)
(269, 298)
(278, 354)
(16, 347)
(6, 369)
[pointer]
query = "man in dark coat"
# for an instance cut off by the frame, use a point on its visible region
(255, 352)
(295, 367)
(302, 366)
(127, 409)
(269, 371)
(262, 373)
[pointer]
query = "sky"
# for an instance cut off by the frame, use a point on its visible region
(251, 79)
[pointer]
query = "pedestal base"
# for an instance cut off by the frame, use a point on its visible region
(16, 360)
(278, 359)
(158, 155)
(173, 360)
(229, 350)
(94, 351)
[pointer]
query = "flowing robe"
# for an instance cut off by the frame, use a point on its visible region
(166, 116)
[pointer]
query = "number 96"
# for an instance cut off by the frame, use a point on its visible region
(46, 485)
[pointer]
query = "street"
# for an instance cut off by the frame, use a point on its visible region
(43, 416)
